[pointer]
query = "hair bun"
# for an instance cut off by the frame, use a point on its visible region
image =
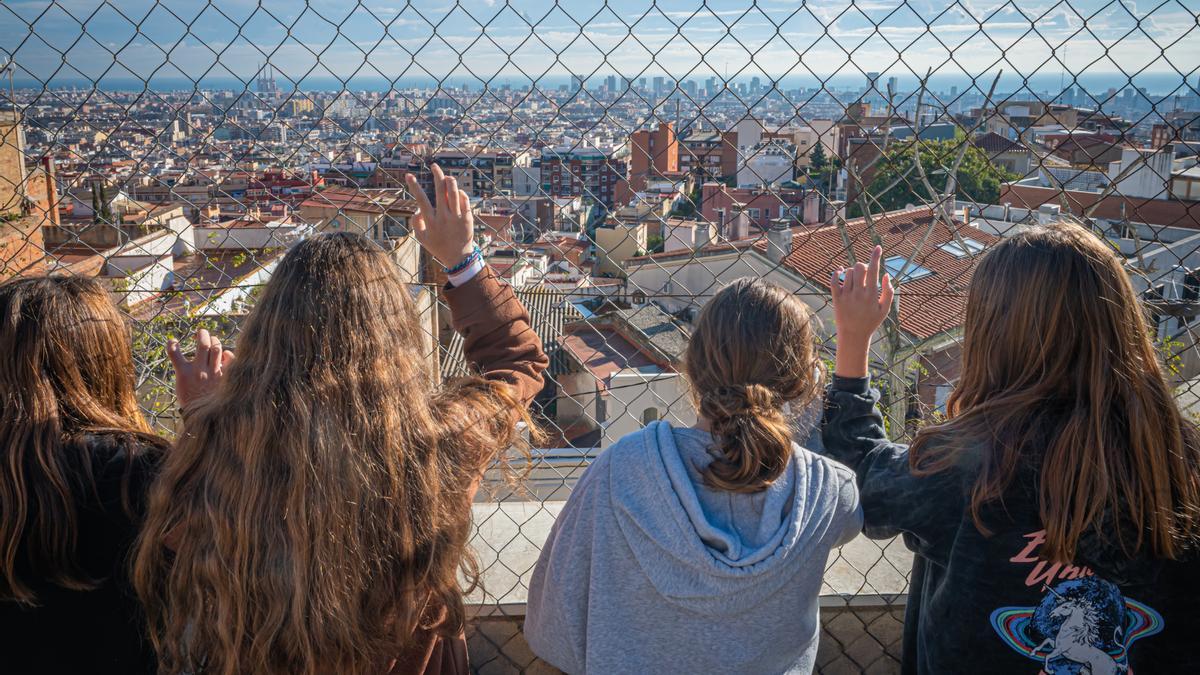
(738, 400)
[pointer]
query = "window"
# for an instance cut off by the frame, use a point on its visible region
(1191, 286)
(650, 415)
(894, 264)
(956, 249)
(395, 227)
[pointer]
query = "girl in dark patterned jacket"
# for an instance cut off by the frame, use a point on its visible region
(1055, 512)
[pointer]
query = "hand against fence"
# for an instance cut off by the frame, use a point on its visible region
(448, 230)
(860, 304)
(199, 376)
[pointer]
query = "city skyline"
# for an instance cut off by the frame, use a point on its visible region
(376, 43)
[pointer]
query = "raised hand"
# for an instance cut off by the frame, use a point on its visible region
(861, 302)
(447, 231)
(199, 376)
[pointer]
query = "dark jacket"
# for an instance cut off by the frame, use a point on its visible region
(500, 343)
(99, 630)
(989, 604)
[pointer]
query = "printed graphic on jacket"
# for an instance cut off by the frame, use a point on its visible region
(1083, 624)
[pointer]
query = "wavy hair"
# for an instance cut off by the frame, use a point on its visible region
(314, 514)
(1060, 376)
(752, 351)
(66, 370)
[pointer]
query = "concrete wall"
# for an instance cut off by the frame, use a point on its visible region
(615, 245)
(136, 278)
(241, 237)
(633, 393)
(577, 400)
(21, 246)
(12, 164)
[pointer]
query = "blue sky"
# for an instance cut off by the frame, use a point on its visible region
(343, 40)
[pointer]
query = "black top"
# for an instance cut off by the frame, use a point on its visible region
(97, 631)
(989, 604)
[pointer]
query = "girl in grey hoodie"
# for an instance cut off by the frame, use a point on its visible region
(701, 550)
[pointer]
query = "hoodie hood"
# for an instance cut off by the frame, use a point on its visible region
(709, 550)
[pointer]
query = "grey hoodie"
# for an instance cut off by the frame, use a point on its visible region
(648, 570)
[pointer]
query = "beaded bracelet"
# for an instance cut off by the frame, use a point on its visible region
(474, 255)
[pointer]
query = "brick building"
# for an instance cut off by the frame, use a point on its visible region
(711, 154)
(653, 153)
(763, 206)
(582, 172)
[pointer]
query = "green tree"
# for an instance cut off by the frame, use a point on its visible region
(690, 204)
(105, 209)
(817, 161)
(979, 180)
(654, 244)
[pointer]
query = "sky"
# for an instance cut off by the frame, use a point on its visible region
(321, 42)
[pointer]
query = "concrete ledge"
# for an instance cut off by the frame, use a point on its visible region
(855, 638)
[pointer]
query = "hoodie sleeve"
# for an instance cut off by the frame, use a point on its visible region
(927, 509)
(557, 609)
(849, 508)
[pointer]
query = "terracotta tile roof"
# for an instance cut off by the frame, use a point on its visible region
(356, 199)
(929, 305)
(994, 144)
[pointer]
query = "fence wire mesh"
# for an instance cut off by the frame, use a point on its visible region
(625, 160)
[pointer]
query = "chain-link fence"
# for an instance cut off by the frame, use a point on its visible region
(625, 160)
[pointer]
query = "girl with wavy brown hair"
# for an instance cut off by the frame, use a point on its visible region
(701, 549)
(314, 514)
(1055, 513)
(77, 459)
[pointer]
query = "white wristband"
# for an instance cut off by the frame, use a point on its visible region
(467, 273)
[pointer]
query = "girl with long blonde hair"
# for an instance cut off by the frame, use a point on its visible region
(1055, 513)
(76, 460)
(314, 515)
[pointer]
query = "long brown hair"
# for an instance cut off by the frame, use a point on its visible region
(1060, 376)
(66, 369)
(753, 350)
(314, 513)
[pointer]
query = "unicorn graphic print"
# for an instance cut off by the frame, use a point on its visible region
(1081, 627)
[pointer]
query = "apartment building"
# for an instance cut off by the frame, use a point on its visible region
(584, 172)
(710, 154)
(653, 154)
